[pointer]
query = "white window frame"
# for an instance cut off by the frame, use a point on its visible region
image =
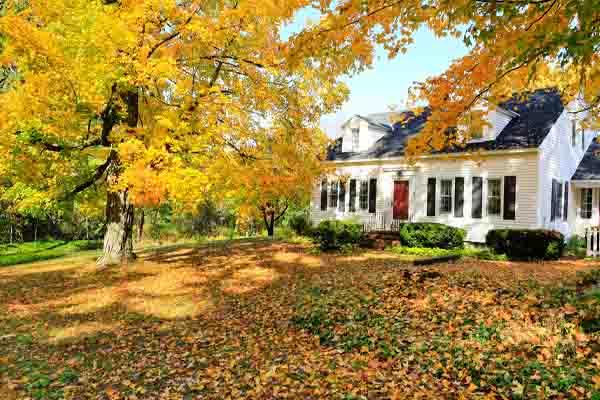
(355, 137)
(361, 182)
(451, 195)
(583, 202)
(331, 197)
(560, 200)
(487, 197)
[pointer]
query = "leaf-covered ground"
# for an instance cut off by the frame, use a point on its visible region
(265, 320)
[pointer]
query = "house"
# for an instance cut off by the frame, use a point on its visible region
(536, 168)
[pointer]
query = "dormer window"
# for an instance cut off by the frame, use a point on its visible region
(355, 140)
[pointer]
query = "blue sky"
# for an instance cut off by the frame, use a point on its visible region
(387, 83)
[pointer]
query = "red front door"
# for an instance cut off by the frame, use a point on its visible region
(401, 200)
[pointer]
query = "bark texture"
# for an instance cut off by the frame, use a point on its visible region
(140, 228)
(272, 212)
(118, 239)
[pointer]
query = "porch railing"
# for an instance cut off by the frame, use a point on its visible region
(592, 237)
(380, 221)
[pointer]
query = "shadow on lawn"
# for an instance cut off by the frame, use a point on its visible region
(181, 313)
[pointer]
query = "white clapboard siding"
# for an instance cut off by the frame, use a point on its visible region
(559, 160)
(523, 165)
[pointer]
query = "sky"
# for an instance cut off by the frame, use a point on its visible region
(387, 82)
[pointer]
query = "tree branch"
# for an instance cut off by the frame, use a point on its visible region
(173, 35)
(97, 175)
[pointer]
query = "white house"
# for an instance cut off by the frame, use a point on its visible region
(536, 168)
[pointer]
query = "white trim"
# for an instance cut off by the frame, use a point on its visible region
(586, 183)
(428, 156)
(486, 213)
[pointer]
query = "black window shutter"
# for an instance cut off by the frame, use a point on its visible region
(342, 197)
(459, 197)
(352, 206)
(510, 197)
(553, 200)
(372, 196)
(431, 197)
(477, 197)
(566, 208)
(324, 195)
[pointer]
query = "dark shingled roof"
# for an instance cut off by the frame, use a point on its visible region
(589, 167)
(538, 111)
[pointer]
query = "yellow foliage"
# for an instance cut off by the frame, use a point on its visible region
(222, 105)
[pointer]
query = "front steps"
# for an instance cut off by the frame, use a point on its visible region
(379, 240)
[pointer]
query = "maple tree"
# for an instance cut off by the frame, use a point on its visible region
(514, 46)
(155, 98)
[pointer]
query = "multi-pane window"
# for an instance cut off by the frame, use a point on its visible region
(333, 195)
(446, 196)
(363, 198)
(355, 140)
(559, 200)
(586, 203)
(494, 196)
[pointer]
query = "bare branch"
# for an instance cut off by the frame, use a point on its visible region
(97, 175)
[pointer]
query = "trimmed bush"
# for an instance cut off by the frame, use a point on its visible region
(332, 235)
(300, 223)
(432, 235)
(576, 246)
(526, 244)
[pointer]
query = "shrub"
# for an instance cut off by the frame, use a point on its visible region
(526, 244)
(431, 235)
(332, 235)
(576, 246)
(300, 223)
(425, 251)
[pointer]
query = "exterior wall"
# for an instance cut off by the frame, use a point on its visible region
(367, 135)
(359, 172)
(581, 224)
(559, 160)
(522, 165)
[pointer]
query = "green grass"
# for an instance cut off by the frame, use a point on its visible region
(22, 253)
(435, 252)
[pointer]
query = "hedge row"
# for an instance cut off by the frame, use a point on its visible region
(516, 244)
(432, 235)
(526, 244)
(331, 235)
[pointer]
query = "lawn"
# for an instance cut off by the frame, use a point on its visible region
(266, 320)
(22, 253)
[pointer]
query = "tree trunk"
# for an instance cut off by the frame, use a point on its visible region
(269, 218)
(140, 227)
(118, 239)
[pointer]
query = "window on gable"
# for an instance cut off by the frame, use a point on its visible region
(586, 203)
(446, 196)
(333, 195)
(573, 132)
(364, 195)
(494, 199)
(355, 140)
